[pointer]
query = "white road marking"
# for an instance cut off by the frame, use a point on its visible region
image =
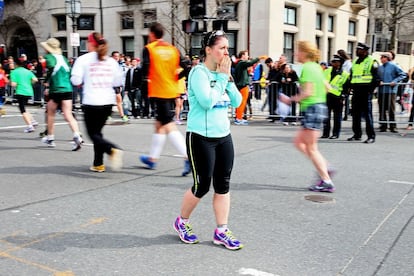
(254, 272)
(401, 182)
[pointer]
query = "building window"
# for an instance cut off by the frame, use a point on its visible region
(330, 46)
(83, 48)
(227, 11)
(378, 26)
(288, 46)
(379, 4)
(330, 23)
(86, 22)
(290, 16)
(382, 44)
(318, 21)
(352, 28)
(404, 48)
(63, 45)
(318, 42)
(350, 48)
(61, 22)
(149, 16)
(128, 46)
(127, 20)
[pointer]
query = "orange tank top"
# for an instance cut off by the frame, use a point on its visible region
(163, 70)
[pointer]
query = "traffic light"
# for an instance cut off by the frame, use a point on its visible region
(197, 8)
(189, 26)
(220, 25)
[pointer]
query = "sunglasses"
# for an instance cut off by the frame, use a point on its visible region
(213, 35)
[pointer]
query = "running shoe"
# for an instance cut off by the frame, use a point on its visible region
(241, 122)
(185, 231)
(50, 143)
(125, 119)
(146, 160)
(116, 159)
(322, 186)
(100, 168)
(29, 129)
(77, 143)
(187, 168)
(227, 239)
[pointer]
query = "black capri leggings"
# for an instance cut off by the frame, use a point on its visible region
(22, 101)
(210, 158)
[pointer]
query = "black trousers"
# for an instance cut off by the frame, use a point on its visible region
(335, 106)
(386, 103)
(95, 118)
(362, 108)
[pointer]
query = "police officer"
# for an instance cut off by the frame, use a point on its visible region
(364, 79)
(339, 81)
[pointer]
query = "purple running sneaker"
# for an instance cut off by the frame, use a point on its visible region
(185, 231)
(227, 239)
(322, 186)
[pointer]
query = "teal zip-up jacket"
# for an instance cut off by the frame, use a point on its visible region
(209, 96)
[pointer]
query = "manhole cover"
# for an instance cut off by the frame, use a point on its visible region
(319, 198)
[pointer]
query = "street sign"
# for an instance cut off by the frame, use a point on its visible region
(74, 40)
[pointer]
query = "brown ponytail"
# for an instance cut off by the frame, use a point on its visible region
(100, 43)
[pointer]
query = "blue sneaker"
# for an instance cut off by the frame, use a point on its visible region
(187, 168)
(227, 239)
(185, 232)
(146, 160)
(322, 186)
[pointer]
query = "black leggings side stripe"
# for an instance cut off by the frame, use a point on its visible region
(191, 159)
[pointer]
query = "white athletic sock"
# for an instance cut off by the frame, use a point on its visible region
(76, 135)
(222, 228)
(158, 141)
(51, 137)
(177, 139)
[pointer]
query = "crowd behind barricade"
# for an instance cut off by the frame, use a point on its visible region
(263, 84)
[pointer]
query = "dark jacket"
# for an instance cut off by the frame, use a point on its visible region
(241, 74)
(136, 81)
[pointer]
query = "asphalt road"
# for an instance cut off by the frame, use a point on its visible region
(57, 218)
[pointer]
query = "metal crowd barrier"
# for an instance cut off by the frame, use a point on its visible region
(393, 104)
(264, 101)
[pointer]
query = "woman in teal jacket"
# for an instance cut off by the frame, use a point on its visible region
(211, 91)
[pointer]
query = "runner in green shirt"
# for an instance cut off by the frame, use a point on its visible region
(59, 89)
(23, 79)
(312, 99)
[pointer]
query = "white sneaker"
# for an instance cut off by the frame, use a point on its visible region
(49, 143)
(77, 142)
(116, 159)
(29, 129)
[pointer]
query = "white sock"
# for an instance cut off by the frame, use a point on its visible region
(76, 135)
(51, 137)
(177, 139)
(158, 141)
(222, 228)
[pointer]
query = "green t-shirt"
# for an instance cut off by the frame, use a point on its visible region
(23, 78)
(312, 72)
(58, 74)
